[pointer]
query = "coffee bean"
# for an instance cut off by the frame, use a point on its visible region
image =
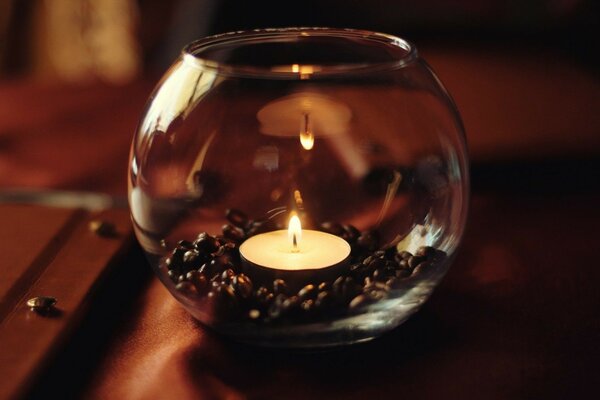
(391, 283)
(290, 305)
(324, 300)
(215, 266)
(257, 227)
(403, 264)
(227, 276)
(185, 245)
(237, 218)
(423, 266)
(415, 260)
(191, 257)
(376, 263)
(350, 233)
(345, 288)
(224, 301)
(187, 288)
(375, 286)
(383, 274)
(426, 251)
(390, 252)
(379, 254)
(324, 286)
(368, 240)
(181, 278)
(280, 287)
(174, 276)
(405, 254)
(359, 301)
(359, 271)
(206, 244)
(307, 305)
(403, 273)
(177, 257)
(333, 227)
(308, 292)
(377, 294)
(276, 308)
(242, 286)
(263, 296)
(197, 279)
(233, 233)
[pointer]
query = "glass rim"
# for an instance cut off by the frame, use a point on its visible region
(192, 52)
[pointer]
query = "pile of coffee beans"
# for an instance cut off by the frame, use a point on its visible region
(209, 269)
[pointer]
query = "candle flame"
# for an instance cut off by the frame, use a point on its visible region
(307, 139)
(295, 232)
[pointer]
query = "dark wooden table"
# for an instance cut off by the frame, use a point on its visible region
(516, 316)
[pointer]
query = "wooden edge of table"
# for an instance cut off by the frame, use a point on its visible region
(71, 272)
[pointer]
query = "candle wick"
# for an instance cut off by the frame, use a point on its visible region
(295, 248)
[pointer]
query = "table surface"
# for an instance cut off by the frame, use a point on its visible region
(516, 316)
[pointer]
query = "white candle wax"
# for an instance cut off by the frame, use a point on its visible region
(316, 250)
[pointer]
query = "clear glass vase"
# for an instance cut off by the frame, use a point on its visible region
(299, 187)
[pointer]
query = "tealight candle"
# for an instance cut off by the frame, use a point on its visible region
(295, 249)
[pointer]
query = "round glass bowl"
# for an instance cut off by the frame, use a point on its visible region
(299, 187)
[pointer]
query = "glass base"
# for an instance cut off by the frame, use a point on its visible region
(371, 323)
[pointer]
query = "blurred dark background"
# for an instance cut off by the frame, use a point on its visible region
(524, 75)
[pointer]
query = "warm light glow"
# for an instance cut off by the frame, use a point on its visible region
(307, 139)
(295, 233)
